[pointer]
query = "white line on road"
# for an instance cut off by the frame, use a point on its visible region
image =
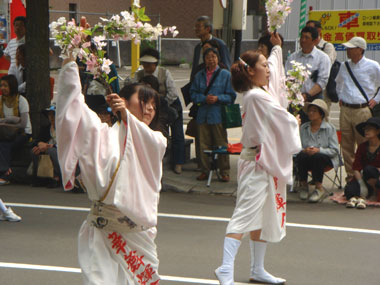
(203, 218)
(78, 270)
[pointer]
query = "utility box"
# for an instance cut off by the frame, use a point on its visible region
(239, 15)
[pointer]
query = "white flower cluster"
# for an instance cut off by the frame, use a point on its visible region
(296, 77)
(73, 39)
(277, 11)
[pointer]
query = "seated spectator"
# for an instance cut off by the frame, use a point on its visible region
(15, 126)
(47, 144)
(210, 97)
(320, 149)
(366, 167)
(20, 69)
(149, 59)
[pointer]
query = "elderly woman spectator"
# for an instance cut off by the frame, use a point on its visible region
(366, 166)
(15, 126)
(319, 149)
(149, 59)
(210, 90)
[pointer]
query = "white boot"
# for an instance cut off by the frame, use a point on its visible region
(258, 273)
(225, 273)
(252, 247)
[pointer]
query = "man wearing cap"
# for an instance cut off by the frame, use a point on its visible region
(149, 59)
(356, 105)
(316, 61)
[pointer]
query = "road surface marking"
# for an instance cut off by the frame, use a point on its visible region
(202, 218)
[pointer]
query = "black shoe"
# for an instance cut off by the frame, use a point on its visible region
(39, 182)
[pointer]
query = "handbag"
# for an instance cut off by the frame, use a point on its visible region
(231, 117)
(357, 84)
(8, 133)
(45, 166)
(192, 128)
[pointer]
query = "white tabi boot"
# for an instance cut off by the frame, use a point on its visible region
(225, 273)
(258, 273)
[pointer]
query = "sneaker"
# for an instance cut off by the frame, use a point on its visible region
(10, 216)
(352, 203)
(361, 204)
(303, 194)
(4, 182)
(316, 196)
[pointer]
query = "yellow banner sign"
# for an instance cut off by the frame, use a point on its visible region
(340, 26)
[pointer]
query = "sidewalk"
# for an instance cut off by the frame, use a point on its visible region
(187, 182)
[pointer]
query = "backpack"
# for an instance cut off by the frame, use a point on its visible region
(331, 84)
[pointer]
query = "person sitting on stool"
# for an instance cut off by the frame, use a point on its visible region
(319, 149)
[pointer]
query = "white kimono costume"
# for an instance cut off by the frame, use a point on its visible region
(121, 168)
(277, 77)
(263, 172)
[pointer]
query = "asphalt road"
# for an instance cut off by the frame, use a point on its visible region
(42, 249)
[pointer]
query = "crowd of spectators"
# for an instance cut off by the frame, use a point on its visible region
(208, 90)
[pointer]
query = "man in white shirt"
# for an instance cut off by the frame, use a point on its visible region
(19, 25)
(319, 62)
(327, 48)
(354, 107)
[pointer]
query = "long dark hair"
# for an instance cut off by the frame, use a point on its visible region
(12, 83)
(145, 93)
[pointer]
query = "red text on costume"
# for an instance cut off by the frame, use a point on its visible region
(117, 242)
(146, 275)
(275, 179)
(135, 262)
(283, 219)
(280, 202)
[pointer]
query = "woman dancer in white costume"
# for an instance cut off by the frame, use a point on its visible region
(121, 169)
(270, 138)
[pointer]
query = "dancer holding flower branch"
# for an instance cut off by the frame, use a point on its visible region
(121, 166)
(270, 138)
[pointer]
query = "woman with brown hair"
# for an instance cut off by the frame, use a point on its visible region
(270, 138)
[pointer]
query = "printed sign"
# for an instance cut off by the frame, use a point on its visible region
(342, 25)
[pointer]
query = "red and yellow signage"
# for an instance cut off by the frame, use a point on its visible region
(340, 26)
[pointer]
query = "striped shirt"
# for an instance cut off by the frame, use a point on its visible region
(10, 51)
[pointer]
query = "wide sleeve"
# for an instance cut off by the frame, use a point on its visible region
(81, 137)
(277, 76)
(267, 124)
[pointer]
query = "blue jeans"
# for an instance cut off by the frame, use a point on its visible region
(177, 136)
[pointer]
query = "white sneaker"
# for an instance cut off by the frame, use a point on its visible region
(317, 195)
(361, 204)
(10, 216)
(352, 203)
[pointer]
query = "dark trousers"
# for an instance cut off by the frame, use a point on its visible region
(315, 163)
(177, 136)
(352, 188)
(6, 149)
